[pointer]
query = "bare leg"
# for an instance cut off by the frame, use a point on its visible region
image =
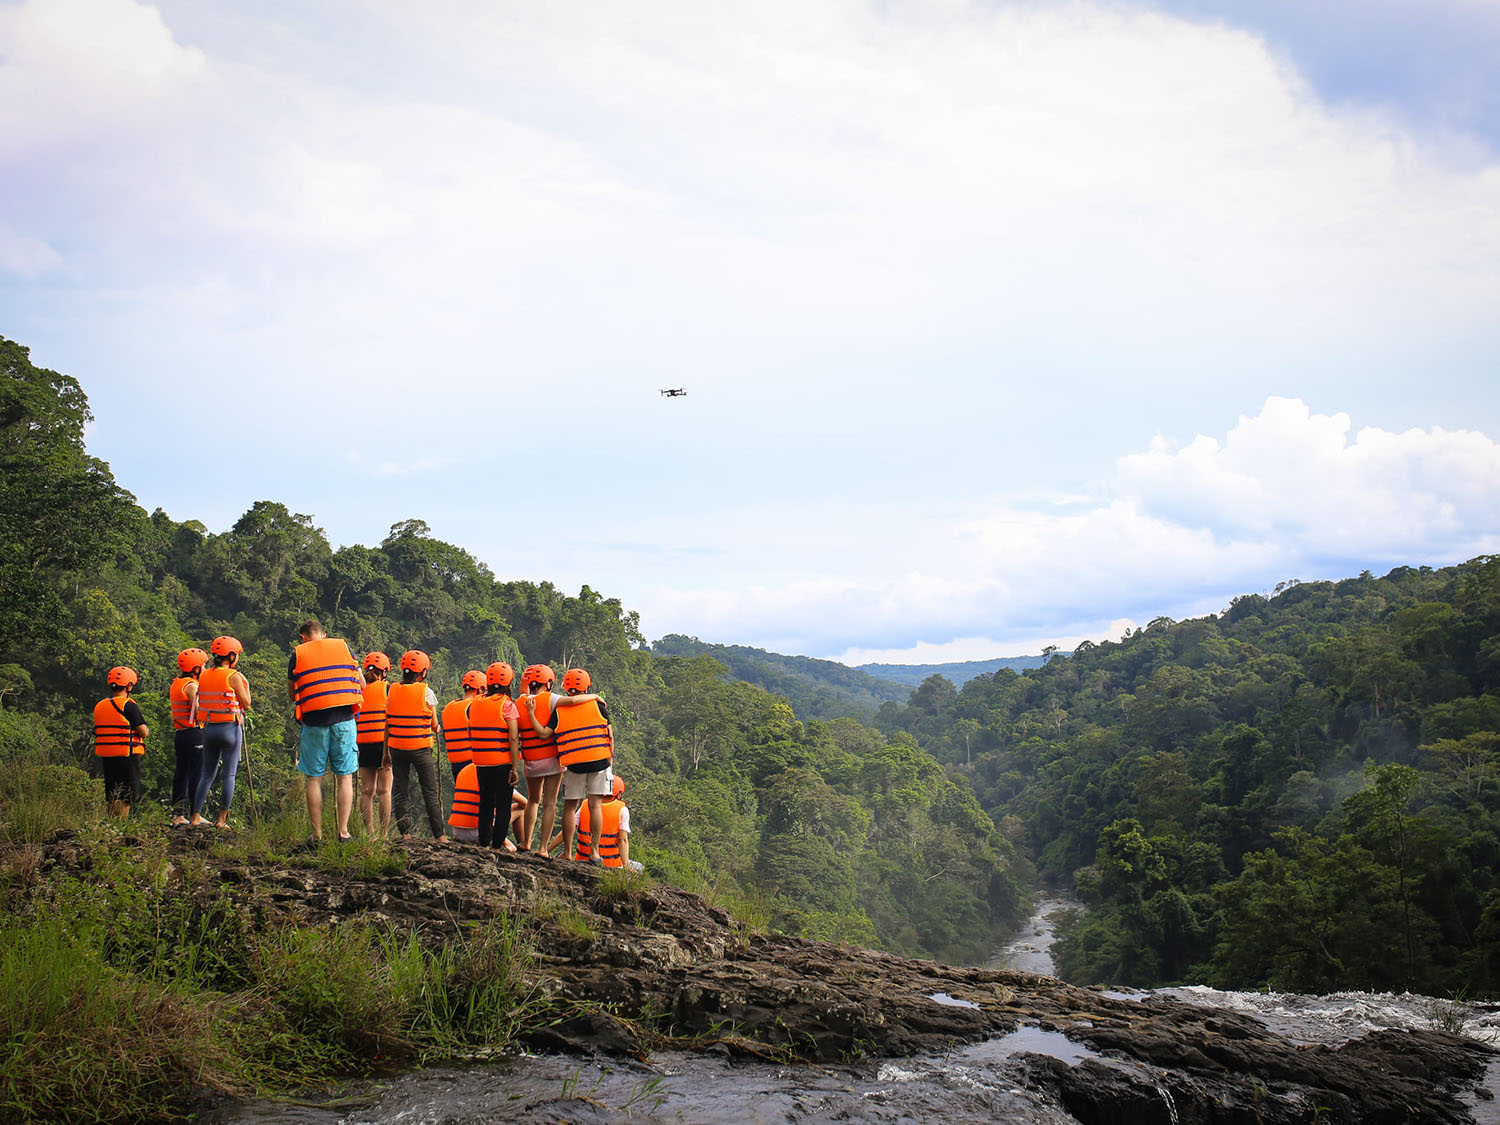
(367, 785)
(596, 822)
(312, 792)
(549, 788)
(383, 787)
(569, 826)
(343, 801)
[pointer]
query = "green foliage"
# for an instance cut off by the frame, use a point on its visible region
(1299, 792)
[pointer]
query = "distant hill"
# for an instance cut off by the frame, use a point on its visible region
(816, 689)
(960, 674)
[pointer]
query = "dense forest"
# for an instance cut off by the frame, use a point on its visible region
(816, 689)
(1300, 793)
(959, 673)
(831, 829)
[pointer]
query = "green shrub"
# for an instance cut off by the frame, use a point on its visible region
(83, 1042)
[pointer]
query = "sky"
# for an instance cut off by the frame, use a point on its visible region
(1003, 324)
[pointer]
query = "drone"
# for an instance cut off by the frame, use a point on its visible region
(674, 392)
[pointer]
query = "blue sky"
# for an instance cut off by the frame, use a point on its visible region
(1002, 324)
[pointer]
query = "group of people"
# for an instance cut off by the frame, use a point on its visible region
(353, 720)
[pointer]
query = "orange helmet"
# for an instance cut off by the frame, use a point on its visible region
(415, 660)
(122, 677)
(191, 659)
(225, 646)
(576, 679)
(500, 673)
(538, 674)
(474, 680)
(617, 787)
(378, 660)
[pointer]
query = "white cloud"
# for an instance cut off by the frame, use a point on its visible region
(1182, 531)
(1295, 477)
(25, 256)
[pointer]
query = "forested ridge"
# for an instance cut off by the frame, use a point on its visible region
(830, 829)
(1301, 792)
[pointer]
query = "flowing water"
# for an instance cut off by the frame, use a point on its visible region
(971, 1083)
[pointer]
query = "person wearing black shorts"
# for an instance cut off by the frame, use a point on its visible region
(120, 741)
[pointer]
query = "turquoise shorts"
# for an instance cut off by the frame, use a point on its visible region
(328, 748)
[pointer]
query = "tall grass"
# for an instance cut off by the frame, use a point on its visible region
(37, 797)
(128, 989)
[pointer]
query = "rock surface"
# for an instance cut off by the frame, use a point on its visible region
(639, 966)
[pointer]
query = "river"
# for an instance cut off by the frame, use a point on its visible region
(969, 1083)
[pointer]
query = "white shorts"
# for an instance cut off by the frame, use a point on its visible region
(543, 767)
(577, 786)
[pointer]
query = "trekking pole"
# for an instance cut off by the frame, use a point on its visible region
(249, 783)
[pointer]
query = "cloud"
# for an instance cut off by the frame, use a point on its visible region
(25, 256)
(1179, 531)
(1295, 477)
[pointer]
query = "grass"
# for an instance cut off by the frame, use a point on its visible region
(621, 884)
(134, 985)
(38, 797)
(573, 922)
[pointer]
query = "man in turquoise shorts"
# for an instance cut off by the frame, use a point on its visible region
(327, 690)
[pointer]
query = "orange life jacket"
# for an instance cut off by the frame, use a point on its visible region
(408, 718)
(465, 812)
(535, 747)
(489, 733)
(609, 832)
(456, 729)
(217, 702)
(182, 705)
(583, 735)
(114, 737)
(369, 724)
(326, 675)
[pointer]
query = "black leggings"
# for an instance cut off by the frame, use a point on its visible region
(188, 744)
(402, 762)
(495, 783)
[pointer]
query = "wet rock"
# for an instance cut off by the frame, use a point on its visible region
(659, 967)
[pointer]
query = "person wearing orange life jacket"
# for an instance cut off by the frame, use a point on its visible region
(119, 741)
(614, 833)
(187, 733)
(456, 721)
(369, 744)
(222, 700)
(411, 720)
(323, 682)
(544, 773)
(585, 747)
(493, 739)
(463, 821)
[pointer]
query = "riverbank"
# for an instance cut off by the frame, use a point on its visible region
(606, 962)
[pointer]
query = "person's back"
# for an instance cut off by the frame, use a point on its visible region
(609, 832)
(585, 747)
(492, 739)
(187, 732)
(544, 772)
(120, 740)
(369, 745)
(327, 691)
(223, 699)
(456, 737)
(411, 721)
